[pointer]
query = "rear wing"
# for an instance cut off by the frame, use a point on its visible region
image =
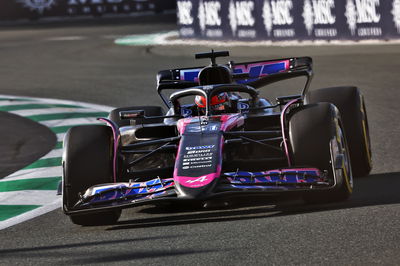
(256, 74)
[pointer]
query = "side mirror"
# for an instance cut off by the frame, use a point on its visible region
(132, 114)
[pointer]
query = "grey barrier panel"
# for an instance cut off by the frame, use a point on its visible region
(279, 20)
(36, 9)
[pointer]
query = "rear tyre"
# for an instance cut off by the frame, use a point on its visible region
(148, 111)
(317, 140)
(351, 105)
(87, 161)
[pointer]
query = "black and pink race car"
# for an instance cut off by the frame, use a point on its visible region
(218, 140)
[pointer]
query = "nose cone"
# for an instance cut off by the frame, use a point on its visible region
(196, 187)
(199, 159)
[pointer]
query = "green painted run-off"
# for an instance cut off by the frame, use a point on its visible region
(45, 183)
(9, 211)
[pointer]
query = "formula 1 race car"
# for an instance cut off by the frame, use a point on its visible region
(219, 139)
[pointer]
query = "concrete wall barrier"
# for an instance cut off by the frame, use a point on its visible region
(279, 20)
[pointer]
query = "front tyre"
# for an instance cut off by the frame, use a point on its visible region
(318, 140)
(351, 105)
(87, 161)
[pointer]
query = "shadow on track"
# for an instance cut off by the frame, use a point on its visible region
(5, 252)
(94, 252)
(112, 257)
(377, 189)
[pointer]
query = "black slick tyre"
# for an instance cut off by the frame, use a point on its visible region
(317, 140)
(148, 111)
(351, 105)
(87, 161)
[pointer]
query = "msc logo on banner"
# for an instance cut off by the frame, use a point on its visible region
(184, 12)
(278, 13)
(185, 18)
(76, 7)
(209, 16)
(241, 15)
(320, 12)
(37, 5)
(396, 14)
(363, 12)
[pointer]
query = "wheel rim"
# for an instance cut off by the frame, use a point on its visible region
(342, 166)
(367, 140)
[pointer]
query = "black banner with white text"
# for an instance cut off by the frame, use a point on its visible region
(36, 9)
(279, 20)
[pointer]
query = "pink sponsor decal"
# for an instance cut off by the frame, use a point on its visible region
(195, 182)
(231, 121)
(182, 123)
(198, 181)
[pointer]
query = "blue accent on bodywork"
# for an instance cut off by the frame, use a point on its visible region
(273, 68)
(267, 179)
(259, 71)
(254, 71)
(151, 188)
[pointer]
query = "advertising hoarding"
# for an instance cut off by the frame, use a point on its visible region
(36, 9)
(279, 20)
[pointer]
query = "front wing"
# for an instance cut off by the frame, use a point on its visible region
(123, 195)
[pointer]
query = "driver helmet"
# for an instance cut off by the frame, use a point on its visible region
(219, 102)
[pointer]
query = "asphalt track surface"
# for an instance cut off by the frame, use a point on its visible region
(36, 61)
(22, 142)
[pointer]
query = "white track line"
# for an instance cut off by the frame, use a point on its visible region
(61, 136)
(35, 173)
(173, 38)
(34, 197)
(66, 38)
(8, 103)
(53, 154)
